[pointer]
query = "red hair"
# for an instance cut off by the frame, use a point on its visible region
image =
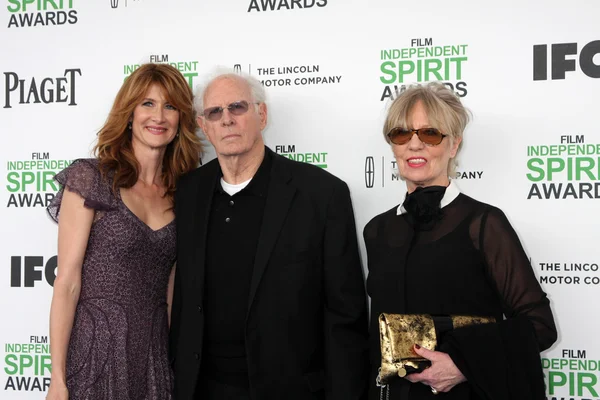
(114, 150)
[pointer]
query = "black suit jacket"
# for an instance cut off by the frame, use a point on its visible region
(306, 324)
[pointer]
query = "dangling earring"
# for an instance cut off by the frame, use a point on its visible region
(129, 125)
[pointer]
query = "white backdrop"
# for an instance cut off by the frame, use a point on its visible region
(328, 112)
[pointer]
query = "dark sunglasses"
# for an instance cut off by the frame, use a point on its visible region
(430, 136)
(236, 108)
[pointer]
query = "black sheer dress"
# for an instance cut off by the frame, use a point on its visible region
(467, 260)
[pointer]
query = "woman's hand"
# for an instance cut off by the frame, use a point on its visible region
(443, 374)
(57, 391)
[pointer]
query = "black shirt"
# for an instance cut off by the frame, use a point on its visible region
(232, 239)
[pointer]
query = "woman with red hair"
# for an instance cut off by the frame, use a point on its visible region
(116, 245)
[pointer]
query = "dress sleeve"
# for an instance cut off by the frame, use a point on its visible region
(502, 360)
(510, 271)
(84, 178)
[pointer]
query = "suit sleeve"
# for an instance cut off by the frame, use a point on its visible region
(346, 331)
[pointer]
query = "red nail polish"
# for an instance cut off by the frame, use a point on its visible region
(417, 346)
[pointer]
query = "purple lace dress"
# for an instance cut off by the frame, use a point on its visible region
(118, 346)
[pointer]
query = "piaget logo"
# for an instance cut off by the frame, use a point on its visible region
(30, 183)
(573, 374)
(189, 69)
(569, 170)
(28, 365)
(289, 151)
(34, 13)
(45, 90)
(423, 62)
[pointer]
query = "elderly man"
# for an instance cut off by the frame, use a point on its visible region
(269, 298)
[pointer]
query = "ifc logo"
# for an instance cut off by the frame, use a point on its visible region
(30, 268)
(560, 64)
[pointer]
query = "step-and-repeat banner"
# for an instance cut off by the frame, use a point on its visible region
(529, 71)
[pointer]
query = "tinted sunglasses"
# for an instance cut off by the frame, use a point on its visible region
(430, 136)
(236, 108)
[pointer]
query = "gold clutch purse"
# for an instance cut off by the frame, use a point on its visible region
(400, 332)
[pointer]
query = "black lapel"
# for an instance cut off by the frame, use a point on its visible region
(279, 198)
(202, 202)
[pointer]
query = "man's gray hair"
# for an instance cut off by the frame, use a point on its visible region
(256, 88)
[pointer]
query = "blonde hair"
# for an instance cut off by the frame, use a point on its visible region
(444, 111)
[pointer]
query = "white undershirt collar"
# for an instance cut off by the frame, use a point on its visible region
(233, 189)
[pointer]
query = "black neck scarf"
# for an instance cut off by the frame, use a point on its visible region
(423, 206)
